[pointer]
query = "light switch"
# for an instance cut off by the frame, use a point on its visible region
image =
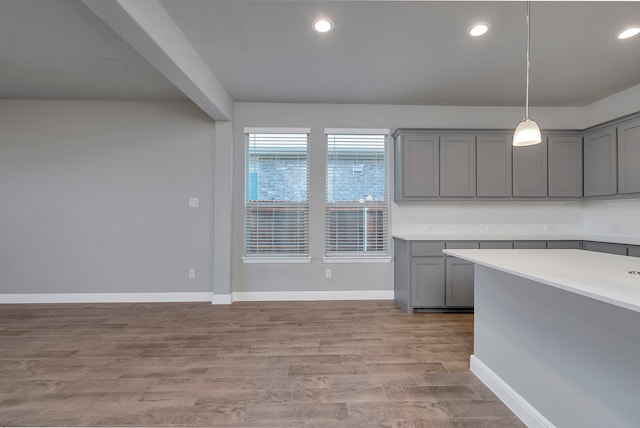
(194, 202)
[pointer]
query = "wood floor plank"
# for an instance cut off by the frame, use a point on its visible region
(249, 364)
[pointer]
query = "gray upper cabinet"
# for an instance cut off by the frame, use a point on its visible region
(493, 163)
(530, 170)
(629, 156)
(565, 165)
(600, 162)
(419, 175)
(458, 165)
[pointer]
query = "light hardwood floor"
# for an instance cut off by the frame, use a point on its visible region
(266, 364)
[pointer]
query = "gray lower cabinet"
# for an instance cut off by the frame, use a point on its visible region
(565, 165)
(458, 165)
(459, 283)
(427, 277)
(530, 170)
(531, 245)
(459, 277)
(564, 245)
(605, 247)
(600, 162)
(633, 251)
(493, 165)
(424, 278)
(629, 156)
(496, 245)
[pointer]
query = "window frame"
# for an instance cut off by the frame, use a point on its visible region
(358, 256)
(274, 257)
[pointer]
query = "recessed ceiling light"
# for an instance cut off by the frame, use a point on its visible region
(629, 32)
(322, 25)
(478, 30)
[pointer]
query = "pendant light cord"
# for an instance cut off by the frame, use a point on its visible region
(526, 105)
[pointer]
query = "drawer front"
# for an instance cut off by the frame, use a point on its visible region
(427, 248)
(634, 250)
(463, 245)
(605, 247)
(564, 245)
(496, 245)
(526, 245)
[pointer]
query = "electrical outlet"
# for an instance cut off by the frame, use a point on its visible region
(549, 228)
(328, 273)
(192, 273)
(194, 202)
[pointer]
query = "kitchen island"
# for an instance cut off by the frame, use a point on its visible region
(557, 334)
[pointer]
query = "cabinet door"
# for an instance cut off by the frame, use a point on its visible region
(459, 283)
(629, 157)
(600, 162)
(493, 165)
(565, 165)
(427, 282)
(420, 168)
(530, 170)
(458, 165)
(605, 247)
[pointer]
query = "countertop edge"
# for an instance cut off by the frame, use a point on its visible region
(463, 254)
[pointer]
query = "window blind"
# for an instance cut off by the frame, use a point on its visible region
(357, 203)
(277, 195)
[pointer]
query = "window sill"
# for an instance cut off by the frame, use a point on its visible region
(363, 259)
(276, 260)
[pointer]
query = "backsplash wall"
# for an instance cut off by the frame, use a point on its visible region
(612, 218)
(473, 217)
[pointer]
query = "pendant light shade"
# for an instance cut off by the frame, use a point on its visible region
(527, 132)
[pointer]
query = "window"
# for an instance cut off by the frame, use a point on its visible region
(277, 193)
(357, 193)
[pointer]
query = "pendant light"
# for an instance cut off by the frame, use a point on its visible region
(527, 132)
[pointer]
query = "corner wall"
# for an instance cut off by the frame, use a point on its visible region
(94, 197)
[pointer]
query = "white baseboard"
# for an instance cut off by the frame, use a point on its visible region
(103, 297)
(282, 296)
(272, 296)
(514, 401)
(216, 299)
(221, 299)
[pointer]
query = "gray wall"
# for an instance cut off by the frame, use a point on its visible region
(94, 196)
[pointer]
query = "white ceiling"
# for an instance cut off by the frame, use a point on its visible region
(381, 52)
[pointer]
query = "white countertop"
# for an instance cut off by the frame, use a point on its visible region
(599, 276)
(425, 236)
